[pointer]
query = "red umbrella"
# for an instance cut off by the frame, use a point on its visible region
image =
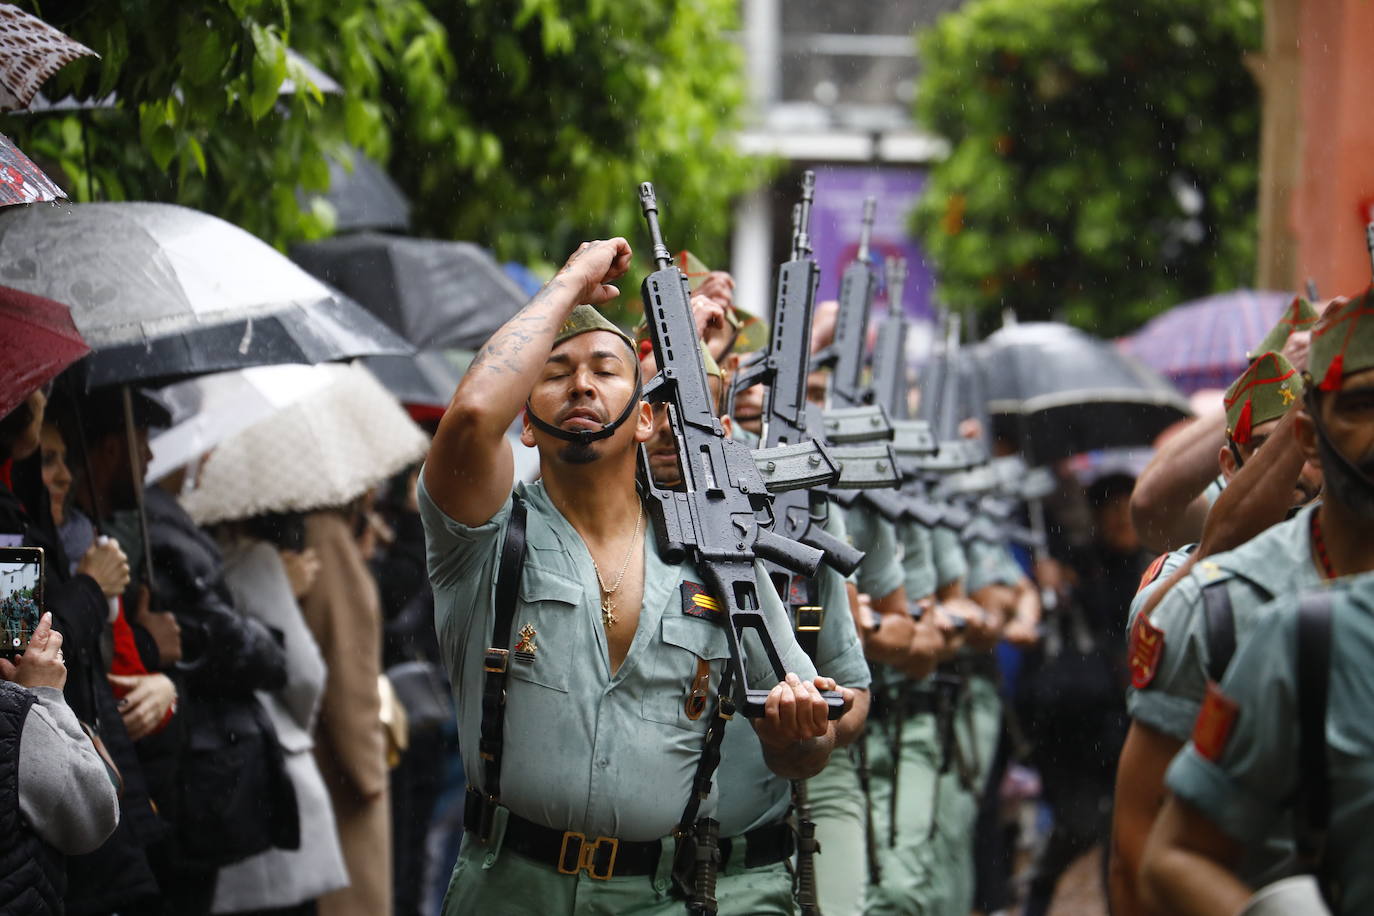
(40, 341)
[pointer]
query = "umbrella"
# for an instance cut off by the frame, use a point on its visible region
(40, 341)
(1060, 391)
(425, 381)
(22, 182)
(1202, 344)
(436, 294)
(208, 409)
(363, 195)
(31, 51)
(162, 292)
(326, 449)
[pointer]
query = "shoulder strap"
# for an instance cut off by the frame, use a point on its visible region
(1221, 628)
(496, 662)
(1314, 792)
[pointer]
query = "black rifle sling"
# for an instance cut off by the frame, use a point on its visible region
(697, 855)
(496, 664)
(1314, 792)
(1221, 629)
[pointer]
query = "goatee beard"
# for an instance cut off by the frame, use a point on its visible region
(578, 453)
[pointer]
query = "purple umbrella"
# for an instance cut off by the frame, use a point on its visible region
(1202, 344)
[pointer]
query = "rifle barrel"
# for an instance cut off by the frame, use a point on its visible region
(866, 230)
(802, 246)
(649, 201)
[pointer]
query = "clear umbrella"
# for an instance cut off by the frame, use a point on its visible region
(162, 292)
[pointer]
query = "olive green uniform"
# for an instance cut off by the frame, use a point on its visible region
(910, 882)
(753, 796)
(1247, 781)
(1278, 561)
(607, 754)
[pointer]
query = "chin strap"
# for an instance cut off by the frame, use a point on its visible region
(587, 436)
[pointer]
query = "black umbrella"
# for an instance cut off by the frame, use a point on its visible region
(1060, 391)
(162, 292)
(438, 295)
(426, 379)
(363, 195)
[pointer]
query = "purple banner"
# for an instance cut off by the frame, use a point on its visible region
(838, 212)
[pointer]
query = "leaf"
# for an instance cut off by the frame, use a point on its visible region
(268, 71)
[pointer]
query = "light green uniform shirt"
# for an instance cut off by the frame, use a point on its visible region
(1172, 561)
(918, 559)
(990, 564)
(1275, 562)
(1248, 790)
(948, 554)
(607, 754)
(880, 573)
(751, 795)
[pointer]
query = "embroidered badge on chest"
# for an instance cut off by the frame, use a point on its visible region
(696, 602)
(525, 649)
(1147, 648)
(1214, 722)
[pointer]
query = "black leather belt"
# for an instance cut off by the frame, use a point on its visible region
(983, 664)
(914, 701)
(569, 851)
(766, 845)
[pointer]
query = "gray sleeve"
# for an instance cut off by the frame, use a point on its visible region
(262, 590)
(65, 795)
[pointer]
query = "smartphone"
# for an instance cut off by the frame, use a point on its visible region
(21, 597)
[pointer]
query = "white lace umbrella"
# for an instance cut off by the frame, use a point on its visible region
(208, 409)
(326, 449)
(31, 51)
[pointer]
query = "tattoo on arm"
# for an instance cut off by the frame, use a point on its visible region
(501, 353)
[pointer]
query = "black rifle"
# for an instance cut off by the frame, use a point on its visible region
(789, 420)
(852, 416)
(715, 518)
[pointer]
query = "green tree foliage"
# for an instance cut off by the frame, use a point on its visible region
(521, 125)
(1103, 161)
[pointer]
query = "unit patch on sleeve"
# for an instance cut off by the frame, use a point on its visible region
(1152, 572)
(1214, 723)
(696, 602)
(1147, 648)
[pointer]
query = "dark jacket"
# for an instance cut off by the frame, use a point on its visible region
(226, 657)
(32, 873)
(116, 874)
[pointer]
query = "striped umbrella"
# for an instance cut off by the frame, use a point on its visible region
(1202, 344)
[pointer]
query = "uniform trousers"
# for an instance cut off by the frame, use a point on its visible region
(837, 809)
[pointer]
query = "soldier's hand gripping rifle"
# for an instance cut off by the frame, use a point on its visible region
(715, 518)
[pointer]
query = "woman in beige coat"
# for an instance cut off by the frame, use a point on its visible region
(342, 611)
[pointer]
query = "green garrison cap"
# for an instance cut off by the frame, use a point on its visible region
(1262, 393)
(1300, 315)
(1343, 344)
(751, 331)
(584, 318)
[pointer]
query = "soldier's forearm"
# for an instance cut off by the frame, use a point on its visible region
(800, 759)
(1177, 475)
(1260, 494)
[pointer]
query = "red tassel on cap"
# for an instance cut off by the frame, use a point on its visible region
(645, 348)
(1241, 436)
(1334, 374)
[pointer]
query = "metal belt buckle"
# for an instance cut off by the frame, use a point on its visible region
(585, 855)
(809, 618)
(495, 661)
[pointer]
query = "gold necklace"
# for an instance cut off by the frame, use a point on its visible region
(608, 617)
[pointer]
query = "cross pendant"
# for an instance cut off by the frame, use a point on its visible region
(608, 617)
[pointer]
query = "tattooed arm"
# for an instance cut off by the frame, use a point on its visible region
(469, 470)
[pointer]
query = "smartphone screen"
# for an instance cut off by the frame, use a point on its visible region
(21, 597)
